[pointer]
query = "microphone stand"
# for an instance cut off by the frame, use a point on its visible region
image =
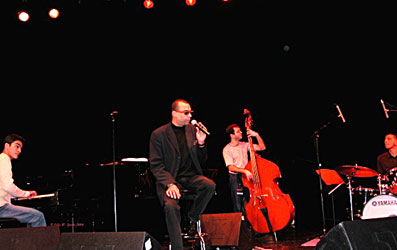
(386, 109)
(114, 171)
(316, 136)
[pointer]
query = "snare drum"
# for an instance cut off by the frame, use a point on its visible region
(380, 206)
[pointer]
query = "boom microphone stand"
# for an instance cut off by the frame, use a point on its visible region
(316, 136)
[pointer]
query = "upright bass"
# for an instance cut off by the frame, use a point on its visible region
(268, 208)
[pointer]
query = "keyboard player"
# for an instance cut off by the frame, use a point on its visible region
(13, 144)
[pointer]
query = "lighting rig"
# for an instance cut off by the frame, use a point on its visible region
(27, 10)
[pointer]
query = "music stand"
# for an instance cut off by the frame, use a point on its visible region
(330, 177)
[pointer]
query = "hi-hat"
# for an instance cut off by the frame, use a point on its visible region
(356, 171)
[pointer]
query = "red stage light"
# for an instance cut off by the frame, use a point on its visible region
(190, 2)
(53, 13)
(148, 4)
(23, 16)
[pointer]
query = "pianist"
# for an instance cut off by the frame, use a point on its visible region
(32, 217)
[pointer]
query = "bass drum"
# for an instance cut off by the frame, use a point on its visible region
(380, 206)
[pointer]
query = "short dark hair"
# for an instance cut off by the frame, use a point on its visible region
(230, 128)
(175, 104)
(391, 132)
(13, 137)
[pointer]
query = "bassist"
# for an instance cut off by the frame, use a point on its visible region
(235, 155)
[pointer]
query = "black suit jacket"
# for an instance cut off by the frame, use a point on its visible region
(164, 155)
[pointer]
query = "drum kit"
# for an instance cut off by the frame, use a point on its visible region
(370, 203)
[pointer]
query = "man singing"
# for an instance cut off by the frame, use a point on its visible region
(177, 151)
(33, 218)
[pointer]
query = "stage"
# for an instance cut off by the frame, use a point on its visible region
(296, 66)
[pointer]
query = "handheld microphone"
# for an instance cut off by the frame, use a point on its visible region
(384, 109)
(340, 114)
(200, 126)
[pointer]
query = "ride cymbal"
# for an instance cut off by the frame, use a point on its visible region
(356, 171)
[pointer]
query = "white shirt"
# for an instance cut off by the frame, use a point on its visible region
(236, 155)
(8, 189)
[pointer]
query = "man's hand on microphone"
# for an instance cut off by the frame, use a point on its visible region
(173, 192)
(200, 135)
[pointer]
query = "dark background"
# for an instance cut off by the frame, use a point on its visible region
(289, 63)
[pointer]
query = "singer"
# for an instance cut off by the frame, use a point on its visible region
(177, 152)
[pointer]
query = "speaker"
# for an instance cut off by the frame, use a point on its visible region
(33, 238)
(108, 240)
(222, 229)
(371, 234)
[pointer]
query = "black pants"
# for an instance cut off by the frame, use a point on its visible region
(204, 188)
(235, 183)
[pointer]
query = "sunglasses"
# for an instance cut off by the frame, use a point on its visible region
(186, 112)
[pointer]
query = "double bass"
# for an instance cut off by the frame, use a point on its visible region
(268, 208)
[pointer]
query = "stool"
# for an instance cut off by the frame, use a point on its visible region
(10, 223)
(187, 196)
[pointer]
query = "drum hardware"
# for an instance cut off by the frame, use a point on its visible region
(382, 184)
(349, 186)
(355, 171)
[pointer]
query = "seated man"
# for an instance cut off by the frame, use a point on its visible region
(33, 218)
(177, 151)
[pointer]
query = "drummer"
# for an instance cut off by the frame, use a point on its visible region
(388, 159)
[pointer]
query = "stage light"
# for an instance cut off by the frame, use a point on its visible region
(23, 16)
(53, 13)
(148, 4)
(190, 2)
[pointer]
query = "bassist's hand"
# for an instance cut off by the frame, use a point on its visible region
(248, 175)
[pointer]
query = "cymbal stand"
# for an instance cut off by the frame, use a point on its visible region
(114, 170)
(349, 186)
(317, 136)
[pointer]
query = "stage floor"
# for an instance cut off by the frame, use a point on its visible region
(287, 239)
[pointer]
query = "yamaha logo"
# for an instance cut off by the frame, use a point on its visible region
(384, 203)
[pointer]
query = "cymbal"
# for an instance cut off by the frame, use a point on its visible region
(356, 171)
